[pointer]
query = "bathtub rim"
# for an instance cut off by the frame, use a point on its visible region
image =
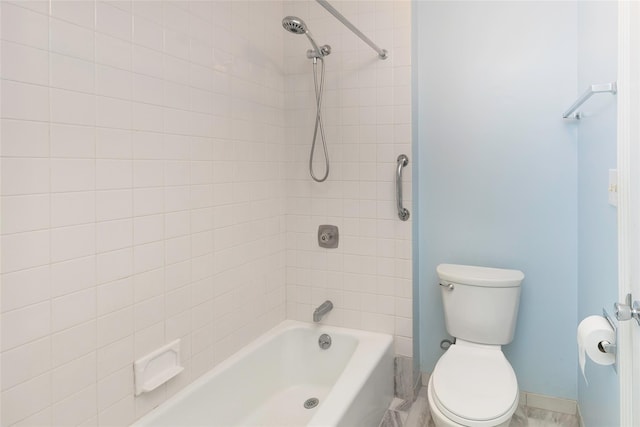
(371, 348)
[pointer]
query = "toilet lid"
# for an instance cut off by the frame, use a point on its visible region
(475, 384)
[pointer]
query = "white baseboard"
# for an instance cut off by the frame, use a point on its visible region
(549, 403)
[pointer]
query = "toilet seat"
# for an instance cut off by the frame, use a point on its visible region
(474, 385)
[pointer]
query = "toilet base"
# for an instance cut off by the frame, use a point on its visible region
(441, 420)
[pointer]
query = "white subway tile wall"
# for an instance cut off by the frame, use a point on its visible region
(143, 158)
(367, 121)
(154, 187)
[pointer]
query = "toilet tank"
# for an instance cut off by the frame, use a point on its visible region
(480, 303)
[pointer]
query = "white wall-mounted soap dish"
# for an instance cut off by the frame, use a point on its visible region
(157, 367)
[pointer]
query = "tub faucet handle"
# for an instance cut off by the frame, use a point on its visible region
(328, 236)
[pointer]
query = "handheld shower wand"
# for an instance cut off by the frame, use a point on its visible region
(296, 25)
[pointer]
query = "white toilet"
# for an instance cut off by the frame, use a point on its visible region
(473, 384)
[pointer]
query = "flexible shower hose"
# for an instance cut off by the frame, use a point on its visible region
(319, 90)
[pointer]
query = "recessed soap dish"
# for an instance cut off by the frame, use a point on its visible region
(157, 367)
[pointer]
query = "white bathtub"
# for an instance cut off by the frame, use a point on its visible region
(267, 382)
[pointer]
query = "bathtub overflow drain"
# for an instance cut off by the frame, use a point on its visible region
(324, 341)
(311, 403)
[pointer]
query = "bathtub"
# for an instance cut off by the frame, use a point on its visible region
(268, 382)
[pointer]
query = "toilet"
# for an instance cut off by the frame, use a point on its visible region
(473, 384)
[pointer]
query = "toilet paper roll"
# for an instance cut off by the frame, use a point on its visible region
(591, 331)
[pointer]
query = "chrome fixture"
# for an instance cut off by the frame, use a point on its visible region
(324, 341)
(611, 88)
(311, 403)
(606, 346)
(445, 344)
(295, 25)
(628, 310)
(403, 161)
(328, 236)
(382, 53)
(323, 309)
(449, 286)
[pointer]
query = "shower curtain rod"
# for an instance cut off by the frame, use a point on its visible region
(382, 53)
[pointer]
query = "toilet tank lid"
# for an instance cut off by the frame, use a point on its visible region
(480, 276)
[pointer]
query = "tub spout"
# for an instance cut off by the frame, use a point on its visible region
(323, 309)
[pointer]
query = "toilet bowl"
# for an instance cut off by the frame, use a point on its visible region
(473, 385)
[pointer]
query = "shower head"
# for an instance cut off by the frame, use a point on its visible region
(295, 25)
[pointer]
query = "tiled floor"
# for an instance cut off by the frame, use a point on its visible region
(419, 415)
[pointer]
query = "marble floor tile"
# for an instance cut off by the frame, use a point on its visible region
(542, 418)
(404, 378)
(392, 419)
(419, 415)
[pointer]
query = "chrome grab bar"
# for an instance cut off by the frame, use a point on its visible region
(403, 161)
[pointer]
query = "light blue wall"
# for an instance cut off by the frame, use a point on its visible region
(597, 235)
(497, 179)
(415, 189)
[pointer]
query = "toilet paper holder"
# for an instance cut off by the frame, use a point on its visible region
(607, 347)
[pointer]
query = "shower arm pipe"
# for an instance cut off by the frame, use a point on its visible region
(382, 53)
